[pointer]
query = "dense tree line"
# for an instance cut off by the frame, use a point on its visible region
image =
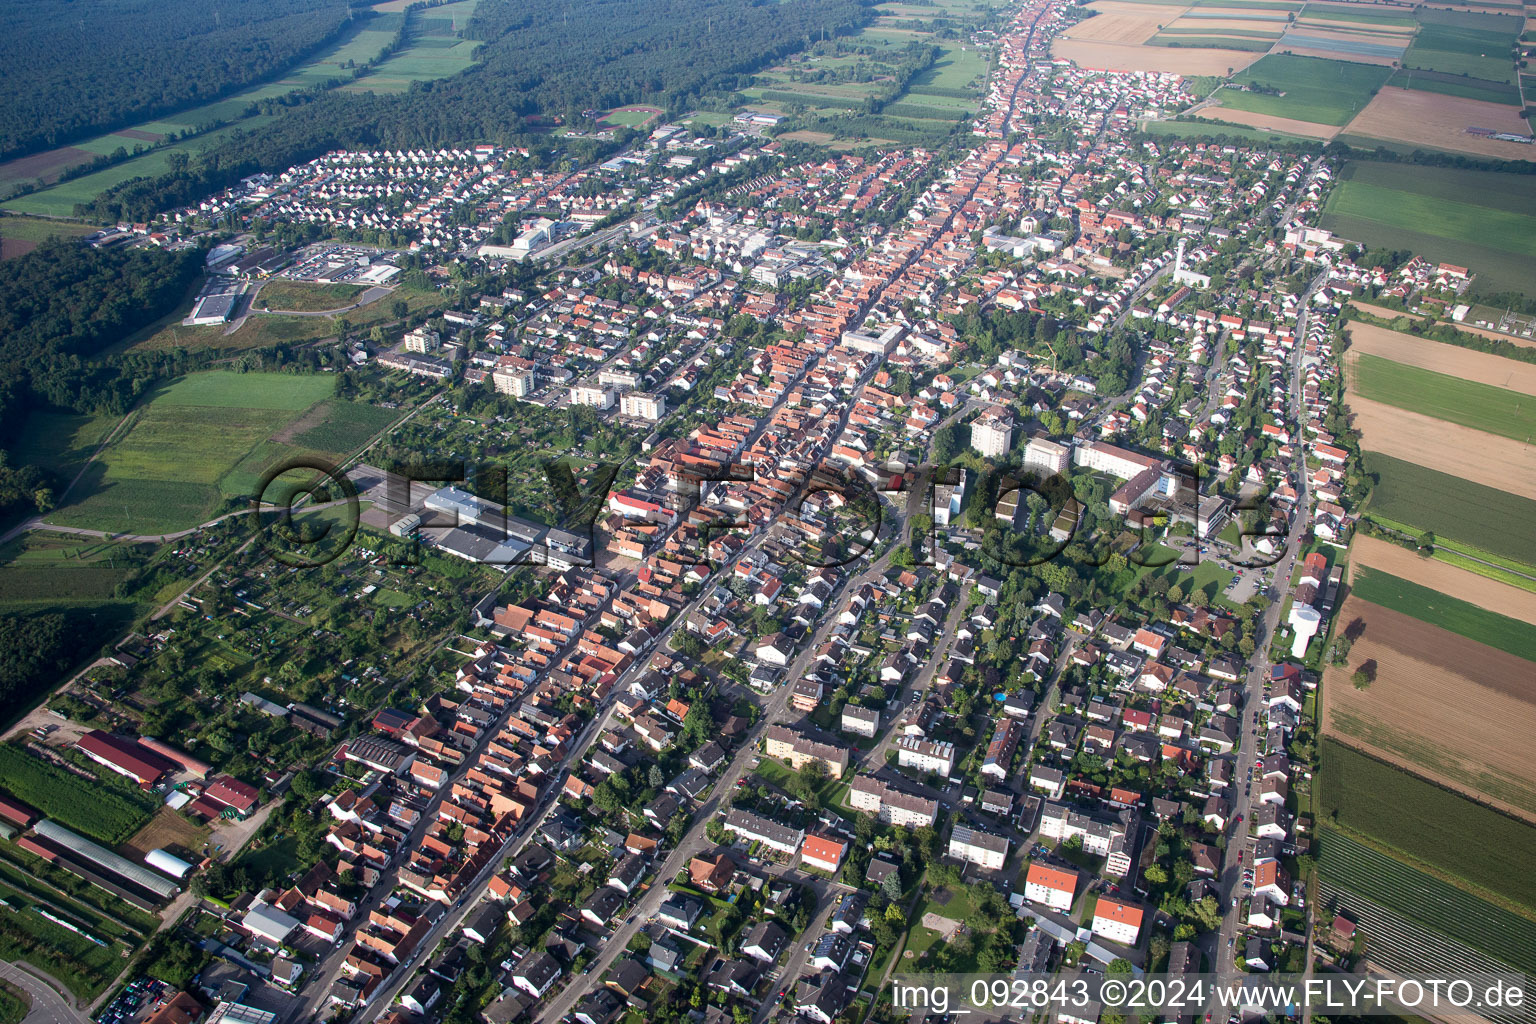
(70, 70)
(535, 66)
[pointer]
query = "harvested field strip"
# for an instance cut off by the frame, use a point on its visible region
(1480, 625)
(1230, 42)
(1467, 364)
(1425, 899)
(1475, 455)
(1341, 45)
(1386, 557)
(1129, 57)
(1438, 704)
(1477, 406)
(1427, 823)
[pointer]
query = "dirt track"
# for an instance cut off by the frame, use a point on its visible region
(1429, 719)
(1482, 367)
(1483, 458)
(1446, 578)
(1433, 119)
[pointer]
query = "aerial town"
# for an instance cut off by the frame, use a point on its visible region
(917, 560)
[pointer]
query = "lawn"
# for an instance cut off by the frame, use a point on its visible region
(1470, 403)
(1315, 89)
(1427, 823)
(167, 471)
(1485, 627)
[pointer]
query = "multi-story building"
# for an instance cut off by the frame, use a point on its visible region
(423, 340)
(1054, 887)
(992, 433)
(925, 755)
(891, 805)
(1117, 920)
(642, 405)
(1047, 455)
(592, 395)
(980, 848)
(1107, 458)
(799, 750)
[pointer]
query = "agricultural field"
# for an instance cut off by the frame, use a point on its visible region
(1478, 624)
(1471, 404)
(40, 569)
(1437, 120)
(1327, 92)
(429, 55)
(1130, 35)
(1448, 448)
(1427, 824)
(1461, 43)
(1460, 214)
(1206, 130)
(434, 48)
(101, 809)
(1439, 704)
(20, 235)
(1425, 899)
(1452, 581)
(170, 470)
(1438, 357)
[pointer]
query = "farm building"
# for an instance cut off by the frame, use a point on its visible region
(126, 757)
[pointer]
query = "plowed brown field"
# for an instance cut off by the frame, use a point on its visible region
(1468, 364)
(1433, 119)
(1431, 710)
(1181, 60)
(1448, 447)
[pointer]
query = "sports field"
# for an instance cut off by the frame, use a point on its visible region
(189, 449)
(1306, 88)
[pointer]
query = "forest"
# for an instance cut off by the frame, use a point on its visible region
(60, 306)
(72, 70)
(536, 68)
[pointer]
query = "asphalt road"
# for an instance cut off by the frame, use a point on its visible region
(48, 1006)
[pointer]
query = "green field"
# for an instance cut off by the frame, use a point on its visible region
(102, 812)
(1479, 406)
(1203, 129)
(1485, 627)
(1480, 516)
(1427, 823)
(1456, 85)
(1316, 90)
(305, 297)
(1362, 16)
(1477, 219)
(630, 117)
(60, 200)
(1425, 899)
(344, 427)
(188, 450)
(42, 568)
(33, 230)
(434, 48)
